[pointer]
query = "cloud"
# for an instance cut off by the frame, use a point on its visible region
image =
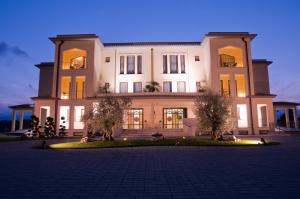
(5, 49)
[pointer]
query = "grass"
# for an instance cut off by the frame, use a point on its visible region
(165, 142)
(4, 138)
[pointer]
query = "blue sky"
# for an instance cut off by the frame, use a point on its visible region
(26, 25)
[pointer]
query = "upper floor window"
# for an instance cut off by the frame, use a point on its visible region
(74, 59)
(137, 87)
(231, 57)
(167, 86)
(181, 86)
(65, 88)
(107, 59)
(130, 64)
(123, 87)
(197, 58)
(139, 64)
(240, 85)
(121, 64)
(225, 85)
(171, 64)
(80, 87)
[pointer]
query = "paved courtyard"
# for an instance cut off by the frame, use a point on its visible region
(151, 172)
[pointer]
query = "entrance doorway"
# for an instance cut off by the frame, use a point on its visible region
(173, 117)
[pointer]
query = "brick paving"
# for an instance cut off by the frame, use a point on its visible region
(151, 172)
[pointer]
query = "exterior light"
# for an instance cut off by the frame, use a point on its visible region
(184, 137)
(124, 139)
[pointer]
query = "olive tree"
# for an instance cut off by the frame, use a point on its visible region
(105, 113)
(213, 113)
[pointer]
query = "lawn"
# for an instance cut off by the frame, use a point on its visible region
(164, 142)
(4, 138)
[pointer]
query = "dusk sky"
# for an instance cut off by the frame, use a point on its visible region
(26, 25)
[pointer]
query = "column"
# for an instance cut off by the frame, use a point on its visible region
(287, 118)
(21, 119)
(13, 124)
(295, 118)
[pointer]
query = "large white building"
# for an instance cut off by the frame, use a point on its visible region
(222, 62)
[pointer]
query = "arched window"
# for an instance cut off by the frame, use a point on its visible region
(231, 56)
(74, 59)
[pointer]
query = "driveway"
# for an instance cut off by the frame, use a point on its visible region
(151, 172)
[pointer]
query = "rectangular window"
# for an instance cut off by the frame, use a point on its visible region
(197, 58)
(137, 87)
(240, 85)
(167, 86)
(242, 115)
(181, 86)
(130, 64)
(123, 87)
(225, 85)
(165, 64)
(139, 64)
(64, 116)
(121, 64)
(262, 115)
(173, 64)
(182, 63)
(78, 117)
(173, 117)
(80, 87)
(107, 59)
(65, 87)
(133, 119)
(44, 113)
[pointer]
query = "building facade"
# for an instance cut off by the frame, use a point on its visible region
(221, 62)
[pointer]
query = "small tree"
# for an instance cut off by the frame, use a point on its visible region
(213, 113)
(104, 113)
(49, 128)
(152, 87)
(34, 125)
(62, 127)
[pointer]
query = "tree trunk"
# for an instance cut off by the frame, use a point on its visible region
(213, 135)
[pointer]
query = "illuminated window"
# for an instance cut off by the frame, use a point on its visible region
(181, 86)
(262, 115)
(130, 64)
(80, 87)
(242, 115)
(121, 64)
(133, 119)
(44, 113)
(139, 64)
(167, 86)
(173, 117)
(65, 87)
(225, 85)
(231, 57)
(123, 87)
(137, 87)
(182, 63)
(240, 85)
(74, 59)
(173, 64)
(64, 116)
(165, 64)
(78, 117)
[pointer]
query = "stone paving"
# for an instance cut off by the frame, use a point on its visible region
(151, 172)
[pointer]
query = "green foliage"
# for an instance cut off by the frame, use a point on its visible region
(49, 128)
(34, 125)
(106, 112)
(161, 142)
(62, 127)
(213, 113)
(152, 87)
